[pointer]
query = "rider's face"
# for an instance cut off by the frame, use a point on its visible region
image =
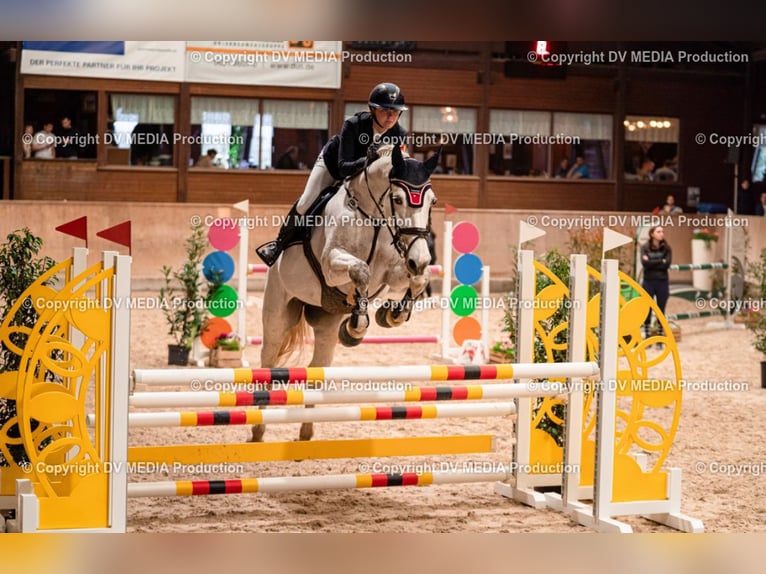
(386, 118)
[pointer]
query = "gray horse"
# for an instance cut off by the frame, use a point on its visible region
(373, 240)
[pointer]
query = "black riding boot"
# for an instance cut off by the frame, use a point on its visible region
(270, 252)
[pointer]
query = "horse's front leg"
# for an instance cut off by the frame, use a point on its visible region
(340, 267)
(395, 313)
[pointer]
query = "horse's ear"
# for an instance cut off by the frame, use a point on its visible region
(433, 161)
(397, 160)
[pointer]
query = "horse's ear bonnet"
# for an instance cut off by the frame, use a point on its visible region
(411, 175)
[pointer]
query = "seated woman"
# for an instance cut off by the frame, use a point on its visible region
(344, 155)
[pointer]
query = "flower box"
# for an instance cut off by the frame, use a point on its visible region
(223, 358)
(499, 358)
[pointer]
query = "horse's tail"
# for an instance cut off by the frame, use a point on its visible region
(295, 340)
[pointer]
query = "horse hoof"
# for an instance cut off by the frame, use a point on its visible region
(345, 337)
(383, 317)
(306, 432)
(257, 433)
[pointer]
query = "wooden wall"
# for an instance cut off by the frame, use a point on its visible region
(437, 76)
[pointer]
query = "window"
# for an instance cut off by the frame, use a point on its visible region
(651, 149)
(70, 116)
(545, 144)
(517, 155)
(259, 134)
(229, 126)
(293, 133)
(759, 157)
(451, 127)
(143, 124)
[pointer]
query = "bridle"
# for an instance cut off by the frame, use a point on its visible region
(414, 194)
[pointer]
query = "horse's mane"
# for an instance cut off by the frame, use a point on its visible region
(386, 150)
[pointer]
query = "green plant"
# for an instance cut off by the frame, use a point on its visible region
(706, 235)
(19, 268)
(228, 342)
(757, 271)
(588, 242)
(182, 297)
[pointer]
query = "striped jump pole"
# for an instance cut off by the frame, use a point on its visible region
(399, 374)
(254, 268)
(318, 415)
(206, 399)
(494, 472)
(694, 315)
(372, 339)
(698, 266)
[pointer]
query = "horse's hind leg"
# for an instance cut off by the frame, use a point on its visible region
(279, 316)
(325, 339)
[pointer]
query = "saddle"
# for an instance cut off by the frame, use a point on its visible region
(334, 301)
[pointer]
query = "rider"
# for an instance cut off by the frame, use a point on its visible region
(343, 156)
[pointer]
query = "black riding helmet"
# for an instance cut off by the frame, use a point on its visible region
(388, 97)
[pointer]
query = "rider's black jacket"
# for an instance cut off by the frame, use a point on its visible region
(346, 152)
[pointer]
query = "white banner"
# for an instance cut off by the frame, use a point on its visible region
(310, 64)
(124, 60)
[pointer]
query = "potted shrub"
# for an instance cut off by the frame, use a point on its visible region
(226, 352)
(703, 252)
(757, 322)
(20, 266)
(183, 300)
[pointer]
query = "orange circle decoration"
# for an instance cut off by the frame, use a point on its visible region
(213, 329)
(466, 328)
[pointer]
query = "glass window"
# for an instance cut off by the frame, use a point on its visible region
(651, 148)
(353, 107)
(144, 125)
(516, 155)
(60, 124)
(292, 133)
(586, 141)
(259, 134)
(546, 144)
(452, 127)
(226, 126)
(759, 157)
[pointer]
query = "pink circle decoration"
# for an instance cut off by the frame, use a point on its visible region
(223, 234)
(465, 237)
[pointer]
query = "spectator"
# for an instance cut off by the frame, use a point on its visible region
(760, 209)
(207, 160)
(646, 171)
(656, 257)
(44, 143)
(67, 140)
(666, 172)
(579, 169)
(670, 207)
(289, 159)
(744, 198)
(563, 168)
(27, 139)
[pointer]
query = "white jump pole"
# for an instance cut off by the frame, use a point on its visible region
(446, 286)
(392, 374)
(317, 415)
(206, 399)
(302, 483)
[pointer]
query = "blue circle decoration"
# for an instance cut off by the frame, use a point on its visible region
(218, 267)
(468, 269)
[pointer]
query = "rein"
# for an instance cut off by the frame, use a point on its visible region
(398, 234)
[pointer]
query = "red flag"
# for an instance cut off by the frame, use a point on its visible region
(448, 208)
(120, 233)
(77, 228)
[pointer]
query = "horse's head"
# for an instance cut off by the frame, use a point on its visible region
(411, 197)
